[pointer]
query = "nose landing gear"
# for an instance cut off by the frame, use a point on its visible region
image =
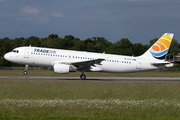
(25, 72)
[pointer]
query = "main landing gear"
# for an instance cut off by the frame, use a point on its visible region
(25, 72)
(83, 76)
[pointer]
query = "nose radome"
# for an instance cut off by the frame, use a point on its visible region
(6, 56)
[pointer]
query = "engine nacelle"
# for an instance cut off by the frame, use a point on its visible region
(63, 68)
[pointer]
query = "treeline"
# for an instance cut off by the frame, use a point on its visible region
(69, 42)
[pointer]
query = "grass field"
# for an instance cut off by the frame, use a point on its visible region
(88, 100)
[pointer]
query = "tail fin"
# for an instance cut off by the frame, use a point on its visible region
(159, 49)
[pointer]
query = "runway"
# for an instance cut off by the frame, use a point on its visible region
(118, 79)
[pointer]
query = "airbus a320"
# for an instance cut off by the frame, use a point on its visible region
(65, 61)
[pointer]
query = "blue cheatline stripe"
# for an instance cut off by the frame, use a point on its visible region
(158, 54)
(161, 58)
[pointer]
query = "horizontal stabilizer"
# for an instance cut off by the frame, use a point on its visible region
(161, 64)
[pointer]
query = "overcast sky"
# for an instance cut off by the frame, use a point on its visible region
(137, 20)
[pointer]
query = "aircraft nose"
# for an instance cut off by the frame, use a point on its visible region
(7, 56)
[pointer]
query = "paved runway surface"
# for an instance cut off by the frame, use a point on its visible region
(120, 79)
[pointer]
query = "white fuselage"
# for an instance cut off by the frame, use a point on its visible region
(38, 56)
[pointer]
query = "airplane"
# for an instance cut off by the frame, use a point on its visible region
(65, 61)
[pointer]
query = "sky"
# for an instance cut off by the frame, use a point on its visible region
(137, 20)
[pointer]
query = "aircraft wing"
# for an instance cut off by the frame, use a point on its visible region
(84, 65)
(88, 63)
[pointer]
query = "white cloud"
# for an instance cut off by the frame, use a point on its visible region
(32, 14)
(30, 10)
(57, 14)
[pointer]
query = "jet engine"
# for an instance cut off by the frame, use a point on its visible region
(63, 68)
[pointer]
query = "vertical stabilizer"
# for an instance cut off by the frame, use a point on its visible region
(159, 49)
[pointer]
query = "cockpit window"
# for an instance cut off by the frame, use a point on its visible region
(15, 51)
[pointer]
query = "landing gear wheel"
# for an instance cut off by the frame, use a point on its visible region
(83, 77)
(25, 72)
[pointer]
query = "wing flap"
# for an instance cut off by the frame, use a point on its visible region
(89, 62)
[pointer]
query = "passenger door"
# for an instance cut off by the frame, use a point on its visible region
(26, 53)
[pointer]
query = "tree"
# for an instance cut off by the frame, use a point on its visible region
(138, 49)
(101, 44)
(67, 42)
(78, 45)
(122, 47)
(44, 42)
(34, 41)
(90, 47)
(99, 47)
(174, 47)
(20, 42)
(5, 46)
(89, 40)
(52, 36)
